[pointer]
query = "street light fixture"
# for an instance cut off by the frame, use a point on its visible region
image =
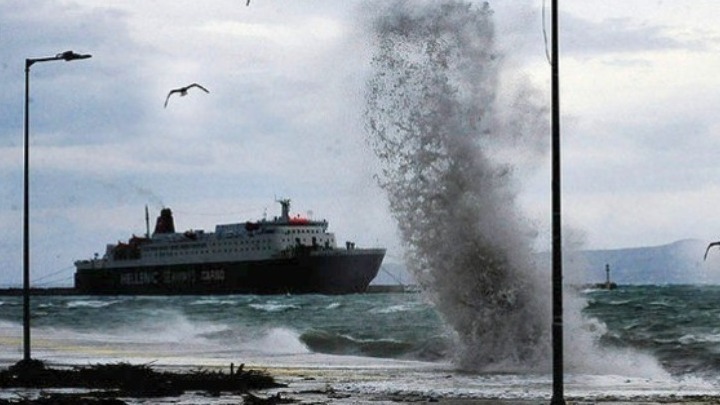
(66, 56)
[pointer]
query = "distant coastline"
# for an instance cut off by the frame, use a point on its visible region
(16, 291)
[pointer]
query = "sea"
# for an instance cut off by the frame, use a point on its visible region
(377, 346)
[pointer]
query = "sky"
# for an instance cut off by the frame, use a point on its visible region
(283, 119)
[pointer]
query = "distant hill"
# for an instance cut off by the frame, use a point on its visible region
(679, 262)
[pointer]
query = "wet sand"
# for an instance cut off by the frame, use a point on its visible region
(307, 389)
(314, 389)
(383, 382)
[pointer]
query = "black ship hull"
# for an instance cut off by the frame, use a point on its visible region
(333, 272)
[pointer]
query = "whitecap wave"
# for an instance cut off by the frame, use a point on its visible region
(91, 303)
(392, 309)
(273, 307)
(276, 341)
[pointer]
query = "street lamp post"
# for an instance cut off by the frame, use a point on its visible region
(66, 56)
(558, 396)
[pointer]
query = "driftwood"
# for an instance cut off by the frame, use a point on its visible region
(126, 380)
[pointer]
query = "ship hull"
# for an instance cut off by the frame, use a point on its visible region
(332, 272)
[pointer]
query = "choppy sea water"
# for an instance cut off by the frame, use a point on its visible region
(370, 344)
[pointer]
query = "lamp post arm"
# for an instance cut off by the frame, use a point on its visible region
(30, 61)
(67, 56)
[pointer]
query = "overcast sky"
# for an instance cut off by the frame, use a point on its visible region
(640, 101)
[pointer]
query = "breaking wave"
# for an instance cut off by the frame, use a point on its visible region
(322, 341)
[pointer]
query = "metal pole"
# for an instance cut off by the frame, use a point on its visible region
(557, 307)
(26, 223)
(66, 56)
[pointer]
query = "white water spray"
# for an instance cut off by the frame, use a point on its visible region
(451, 134)
(442, 133)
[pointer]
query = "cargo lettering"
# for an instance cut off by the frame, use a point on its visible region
(212, 275)
(139, 278)
(179, 277)
(171, 277)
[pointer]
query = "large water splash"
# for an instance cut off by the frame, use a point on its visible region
(448, 133)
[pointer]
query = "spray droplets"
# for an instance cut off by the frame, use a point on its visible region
(437, 126)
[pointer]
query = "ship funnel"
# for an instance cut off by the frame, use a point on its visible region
(285, 216)
(165, 222)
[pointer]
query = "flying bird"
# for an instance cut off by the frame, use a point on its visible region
(708, 248)
(183, 91)
(248, 3)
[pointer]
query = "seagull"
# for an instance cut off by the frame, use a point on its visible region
(708, 248)
(183, 91)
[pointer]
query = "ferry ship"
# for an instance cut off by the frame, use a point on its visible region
(285, 255)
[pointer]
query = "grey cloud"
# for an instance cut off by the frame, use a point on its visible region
(79, 102)
(582, 37)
